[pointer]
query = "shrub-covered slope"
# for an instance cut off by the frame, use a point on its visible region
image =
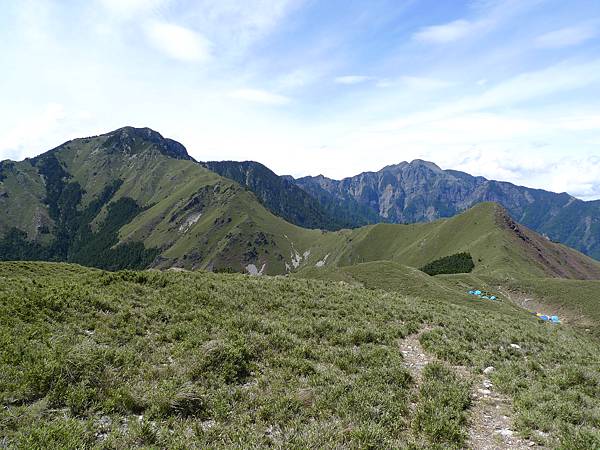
(91, 359)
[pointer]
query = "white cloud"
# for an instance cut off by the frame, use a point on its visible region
(25, 138)
(259, 96)
(580, 123)
(449, 32)
(298, 78)
(128, 8)
(558, 78)
(178, 42)
(352, 79)
(240, 23)
(489, 15)
(416, 83)
(567, 37)
(525, 87)
(579, 176)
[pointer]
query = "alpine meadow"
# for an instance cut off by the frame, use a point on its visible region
(413, 264)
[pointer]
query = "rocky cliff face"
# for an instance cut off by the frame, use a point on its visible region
(304, 207)
(420, 191)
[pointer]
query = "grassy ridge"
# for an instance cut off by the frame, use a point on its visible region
(227, 360)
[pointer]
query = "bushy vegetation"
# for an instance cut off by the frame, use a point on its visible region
(458, 263)
(198, 360)
(441, 413)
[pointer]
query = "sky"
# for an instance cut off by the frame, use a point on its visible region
(506, 89)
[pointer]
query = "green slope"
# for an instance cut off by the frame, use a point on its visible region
(498, 245)
(91, 359)
(389, 276)
(280, 196)
(84, 192)
(420, 191)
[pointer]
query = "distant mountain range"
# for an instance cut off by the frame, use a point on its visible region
(420, 191)
(133, 199)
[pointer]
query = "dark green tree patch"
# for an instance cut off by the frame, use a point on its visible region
(458, 263)
(74, 240)
(14, 246)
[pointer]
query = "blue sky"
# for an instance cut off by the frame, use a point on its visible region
(507, 89)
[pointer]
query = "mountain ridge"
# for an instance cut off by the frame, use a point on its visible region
(409, 192)
(133, 199)
(420, 191)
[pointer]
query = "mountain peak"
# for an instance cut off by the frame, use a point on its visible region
(415, 163)
(422, 163)
(132, 140)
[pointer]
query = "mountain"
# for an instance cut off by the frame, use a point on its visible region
(420, 191)
(133, 199)
(355, 348)
(283, 198)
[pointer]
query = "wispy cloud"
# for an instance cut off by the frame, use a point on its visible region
(178, 42)
(259, 96)
(569, 36)
(352, 79)
(449, 32)
(480, 82)
(238, 24)
(127, 9)
(298, 78)
(486, 16)
(513, 92)
(579, 176)
(416, 83)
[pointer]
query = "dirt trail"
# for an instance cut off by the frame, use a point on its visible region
(490, 422)
(490, 426)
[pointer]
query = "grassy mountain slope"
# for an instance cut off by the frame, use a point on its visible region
(92, 359)
(499, 246)
(123, 198)
(414, 192)
(389, 276)
(510, 260)
(577, 300)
